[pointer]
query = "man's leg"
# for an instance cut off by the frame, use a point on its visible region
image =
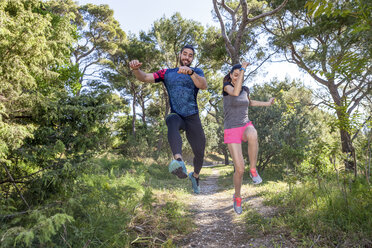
(175, 124)
(196, 137)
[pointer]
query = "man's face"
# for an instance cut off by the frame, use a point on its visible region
(186, 57)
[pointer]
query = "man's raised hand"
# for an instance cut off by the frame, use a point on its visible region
(135, 64)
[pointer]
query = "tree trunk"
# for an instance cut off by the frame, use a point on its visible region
(368, 167)
(134, 115)
(160, 144)
(343, 118)
(239, 20)
(143, 109)
(348, 149)
(226, 156)
(166, 101)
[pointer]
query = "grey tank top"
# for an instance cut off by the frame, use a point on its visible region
(235, 108)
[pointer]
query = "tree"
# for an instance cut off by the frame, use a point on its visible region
(44, 130)
(172, 34)
(329, 50)
(34, 47)
(236, 30)
(159, 48)
(122, 79)
(285, 129)
(216, 111)
(99, 36)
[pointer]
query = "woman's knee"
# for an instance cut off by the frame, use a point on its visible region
(251, 134)
(239, 170)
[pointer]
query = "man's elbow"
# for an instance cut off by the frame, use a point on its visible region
(204, 87)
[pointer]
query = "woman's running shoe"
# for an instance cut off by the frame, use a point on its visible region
(255, 178)
(237, 204)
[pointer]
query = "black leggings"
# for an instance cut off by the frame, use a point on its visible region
(194, 133)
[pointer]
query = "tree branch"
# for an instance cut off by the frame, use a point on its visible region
(229, 46)
(250, 20)
(297, 58)
(15, 185)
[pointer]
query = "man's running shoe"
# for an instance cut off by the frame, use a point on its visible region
(255, 178)
(195, 183)
(237, 204)
(178, 168)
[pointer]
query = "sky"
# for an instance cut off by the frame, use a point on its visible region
(139, 15)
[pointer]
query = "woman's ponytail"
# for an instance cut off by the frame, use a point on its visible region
(227, 78)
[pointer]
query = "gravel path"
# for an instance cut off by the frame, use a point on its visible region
(219, 226)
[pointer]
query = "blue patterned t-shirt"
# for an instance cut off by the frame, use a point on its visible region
(181, 89)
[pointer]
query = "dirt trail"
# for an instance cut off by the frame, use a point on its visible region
(217, 223)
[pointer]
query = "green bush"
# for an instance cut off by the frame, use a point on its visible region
(339, 211)
(110, 204)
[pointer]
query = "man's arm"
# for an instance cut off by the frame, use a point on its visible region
(140, 75)
(199, 81)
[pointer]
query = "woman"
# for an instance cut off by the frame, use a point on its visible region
(239, 128)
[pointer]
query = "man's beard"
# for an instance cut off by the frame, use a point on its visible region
(182, 64)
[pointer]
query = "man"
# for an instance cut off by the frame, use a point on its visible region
(182, 84)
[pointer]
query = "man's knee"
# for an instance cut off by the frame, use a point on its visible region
(175, 122)
(172, 118)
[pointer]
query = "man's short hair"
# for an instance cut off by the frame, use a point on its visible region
(189, 47)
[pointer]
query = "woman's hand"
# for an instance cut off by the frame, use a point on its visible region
(271, 101)
(245, 64)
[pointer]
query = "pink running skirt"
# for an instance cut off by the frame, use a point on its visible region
(235, 135)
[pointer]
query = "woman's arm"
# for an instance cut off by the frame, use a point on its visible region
(235, 91)
(264, 104)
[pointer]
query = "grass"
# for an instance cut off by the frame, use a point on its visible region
(336, 213)
(116, 202)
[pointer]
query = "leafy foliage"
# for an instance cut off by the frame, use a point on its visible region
(34, 43)
(56, 188)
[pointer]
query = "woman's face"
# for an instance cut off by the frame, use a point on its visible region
(234, 75)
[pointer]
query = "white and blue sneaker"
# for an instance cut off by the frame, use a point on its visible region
(256, 179)
(195, 183)
(237, 204)
(178, 168)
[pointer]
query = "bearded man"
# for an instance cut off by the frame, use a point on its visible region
(182, 84)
